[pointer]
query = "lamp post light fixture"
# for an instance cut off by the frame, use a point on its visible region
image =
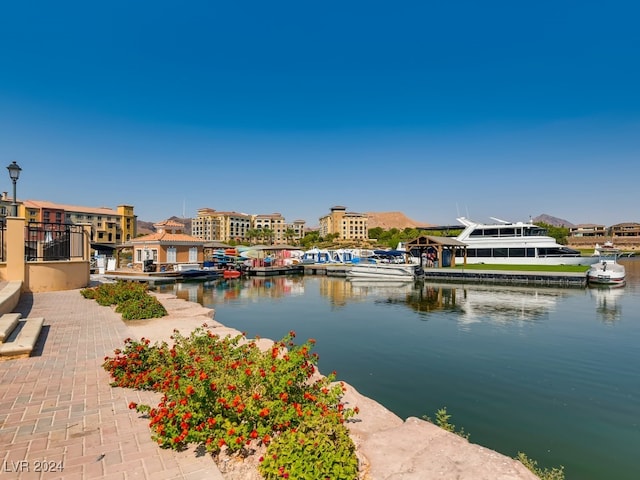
(14, 174)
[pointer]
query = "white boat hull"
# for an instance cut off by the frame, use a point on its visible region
(606, 273)
(383, 271)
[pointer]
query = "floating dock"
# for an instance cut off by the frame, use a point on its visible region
(457, 275)
(328, 269)
(277, 270)
(507, 277)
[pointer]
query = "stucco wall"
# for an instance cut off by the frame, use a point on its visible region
(54, 276)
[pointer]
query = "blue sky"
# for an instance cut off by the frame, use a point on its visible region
(436, 109)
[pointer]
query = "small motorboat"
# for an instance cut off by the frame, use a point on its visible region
(607, 271)
(231, 274)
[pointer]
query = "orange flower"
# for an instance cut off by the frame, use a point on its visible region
(190, 390)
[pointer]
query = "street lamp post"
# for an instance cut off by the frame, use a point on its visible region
(14, 174)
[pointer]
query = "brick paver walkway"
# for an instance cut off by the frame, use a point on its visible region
(60, 418)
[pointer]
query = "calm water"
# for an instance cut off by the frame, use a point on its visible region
(550, 372)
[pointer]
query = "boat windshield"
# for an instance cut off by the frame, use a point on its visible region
(535, 232)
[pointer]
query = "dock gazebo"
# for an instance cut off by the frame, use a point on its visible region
(446, 249)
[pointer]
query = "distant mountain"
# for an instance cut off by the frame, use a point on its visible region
(387, 220)
(145, 228)
(555, 221)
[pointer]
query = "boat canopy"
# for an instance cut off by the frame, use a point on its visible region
(390, 253)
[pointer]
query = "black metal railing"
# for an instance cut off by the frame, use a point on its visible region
(53, 241)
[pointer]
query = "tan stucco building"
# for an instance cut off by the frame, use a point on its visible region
(348, 225)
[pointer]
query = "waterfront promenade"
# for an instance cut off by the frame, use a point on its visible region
(59, 413)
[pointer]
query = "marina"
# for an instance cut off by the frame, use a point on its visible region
(547, 371)
(561, 279)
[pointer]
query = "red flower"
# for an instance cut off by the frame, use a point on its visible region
(133, 405)
(190, 390)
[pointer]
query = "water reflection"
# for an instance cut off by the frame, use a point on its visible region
(218, 291)
(632, 268)
(608, 302)
(472, 303)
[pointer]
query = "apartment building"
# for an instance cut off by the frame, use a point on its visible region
(214, 226)
(348, 225)
(109, 227)
(273, 223)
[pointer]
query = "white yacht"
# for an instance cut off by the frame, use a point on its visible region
(517, 243)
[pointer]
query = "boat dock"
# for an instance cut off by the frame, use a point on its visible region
(263, 271)
(458, 275)
(508, 277)
(328, 269)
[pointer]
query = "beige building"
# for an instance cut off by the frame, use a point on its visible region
(214, 226)
(587, 230)
(109, 228)
(348, 225)
(623, 230)
(274, 223)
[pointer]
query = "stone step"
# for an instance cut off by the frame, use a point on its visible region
(8, 322)
(24, 342)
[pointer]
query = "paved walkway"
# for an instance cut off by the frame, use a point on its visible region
(60, 418)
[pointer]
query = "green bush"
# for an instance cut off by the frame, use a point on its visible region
(141, 308)
(131, 299)
(314, 450)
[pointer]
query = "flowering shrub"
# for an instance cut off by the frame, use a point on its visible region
(226, 392)
(132, 299)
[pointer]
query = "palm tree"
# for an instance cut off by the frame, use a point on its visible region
(252, 234)
(290, 235)
(268, 234)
